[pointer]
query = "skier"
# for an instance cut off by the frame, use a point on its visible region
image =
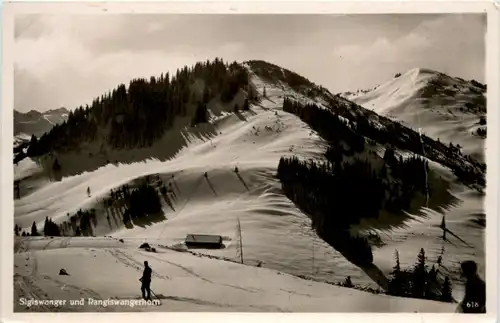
(146, 281)
(475, 290)
(236, 169)
(206, 175)
(88, 191)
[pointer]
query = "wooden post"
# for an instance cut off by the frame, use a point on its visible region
(443, 227)
(240, 241)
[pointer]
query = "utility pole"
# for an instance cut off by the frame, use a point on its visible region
(240, 241)
(443, 227)
(312, 273)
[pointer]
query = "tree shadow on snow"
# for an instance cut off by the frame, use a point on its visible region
(149, 219)
(241, 116)
(242, 181)
(168, 201)
(167, 147)
(211, 186)
(252, 112)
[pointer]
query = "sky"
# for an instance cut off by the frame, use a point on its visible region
(67, 60)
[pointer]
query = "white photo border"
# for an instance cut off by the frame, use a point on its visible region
(9, 10)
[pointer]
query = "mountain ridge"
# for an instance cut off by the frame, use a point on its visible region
(439, 104)
(37, 123)
(234, 82)
(221, 159)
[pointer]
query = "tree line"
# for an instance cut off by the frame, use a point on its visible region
(139, 114)
(420, 281)
(124, 204)
(387, 132)
(329, 192)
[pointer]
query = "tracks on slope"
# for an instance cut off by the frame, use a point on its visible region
(193, 273)
(128, 261)
(28, 288)
(48, 244)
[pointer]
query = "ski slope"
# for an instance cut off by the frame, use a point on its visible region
(104, 268)
(438, 104)
(274, 231)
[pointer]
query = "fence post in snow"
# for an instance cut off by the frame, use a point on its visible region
(240, 242)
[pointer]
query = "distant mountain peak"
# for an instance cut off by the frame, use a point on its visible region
(60, 110)
(37, 123)
(445, 107)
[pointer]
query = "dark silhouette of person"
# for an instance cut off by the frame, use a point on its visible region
(475, 289)
(146, 281)
(206, 175)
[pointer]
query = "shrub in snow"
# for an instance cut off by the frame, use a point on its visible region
(63, 272)
(481, 132)
(348, 282)
(145, 245)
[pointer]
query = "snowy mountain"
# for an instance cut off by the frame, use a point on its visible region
(37, 123)
(233, 149)
(449, 108)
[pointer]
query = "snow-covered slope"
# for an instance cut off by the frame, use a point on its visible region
(37, 123)
(444, 107)
(274, 231)
(106, 269)
(21, 138)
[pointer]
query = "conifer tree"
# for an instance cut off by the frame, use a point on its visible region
(397, 267)
(34, 230)
(56, 166)
(397, 283)
(46, 228)
(419, 275)
(206, 94)
(446, 293)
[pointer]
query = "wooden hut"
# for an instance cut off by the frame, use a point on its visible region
(204, 241)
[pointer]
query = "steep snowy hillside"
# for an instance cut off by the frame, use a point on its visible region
(444, 107)
(37, 123)
(206, 172)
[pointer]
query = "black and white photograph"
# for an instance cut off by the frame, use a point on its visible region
(242, 162)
